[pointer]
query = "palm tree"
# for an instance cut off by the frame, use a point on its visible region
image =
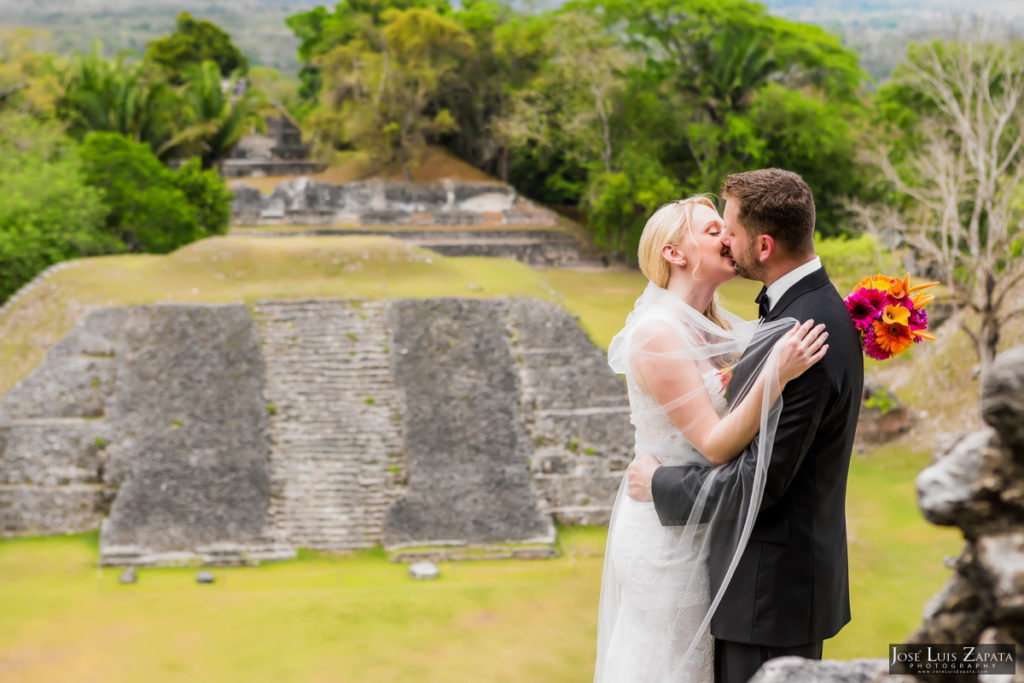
(217, 116)
(729, 68)
(116, 96)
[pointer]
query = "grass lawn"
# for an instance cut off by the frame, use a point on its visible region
(359, 617)
(317, 618)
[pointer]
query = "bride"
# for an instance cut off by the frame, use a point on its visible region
(677, 351)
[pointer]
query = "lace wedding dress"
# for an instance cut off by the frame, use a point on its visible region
(662, 579)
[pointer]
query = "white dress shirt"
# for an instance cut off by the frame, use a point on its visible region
(779, 287)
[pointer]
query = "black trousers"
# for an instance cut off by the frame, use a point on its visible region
(738, 662)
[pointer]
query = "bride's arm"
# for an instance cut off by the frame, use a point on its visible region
(677, 385)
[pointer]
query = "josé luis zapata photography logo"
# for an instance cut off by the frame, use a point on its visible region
(946, 658)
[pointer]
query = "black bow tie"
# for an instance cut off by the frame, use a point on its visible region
(762, 303)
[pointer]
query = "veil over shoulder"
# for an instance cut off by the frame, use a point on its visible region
(685, 592)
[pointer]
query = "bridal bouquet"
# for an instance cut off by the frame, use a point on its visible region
(889, 314)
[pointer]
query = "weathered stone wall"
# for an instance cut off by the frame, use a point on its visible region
(206, 433)
(467, 451)
(148, 419)
(242, 168)
(576, 412)
(376, 202)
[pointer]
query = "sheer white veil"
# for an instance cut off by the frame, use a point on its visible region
(711, 540)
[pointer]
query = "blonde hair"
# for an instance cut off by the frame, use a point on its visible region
(669, 225)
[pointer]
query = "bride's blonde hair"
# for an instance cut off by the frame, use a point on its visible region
(669, 225)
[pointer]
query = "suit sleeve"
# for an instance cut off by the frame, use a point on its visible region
(803, 406)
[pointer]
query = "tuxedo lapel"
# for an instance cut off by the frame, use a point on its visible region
(758, 347)
(815, 280)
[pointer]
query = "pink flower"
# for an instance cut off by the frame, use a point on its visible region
(918, 318)
(877, 298)
(872, 348)
(862, 310)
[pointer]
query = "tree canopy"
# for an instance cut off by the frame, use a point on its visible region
(193, 42)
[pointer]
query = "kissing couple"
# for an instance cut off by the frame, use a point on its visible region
(727, 540)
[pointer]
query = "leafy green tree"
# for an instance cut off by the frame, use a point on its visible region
(618, 202)
(207, 194)
(49, 214)
(572, 102)
(321, 30)
(379, 90)
(509, 51)
(814, 137)
(150, 207)
(193, 42)
(28, 81)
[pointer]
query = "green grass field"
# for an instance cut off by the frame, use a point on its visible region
(358, 617)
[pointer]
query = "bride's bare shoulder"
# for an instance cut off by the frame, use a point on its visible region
(659, 334)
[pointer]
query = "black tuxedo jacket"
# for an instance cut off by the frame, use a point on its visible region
(791, 586)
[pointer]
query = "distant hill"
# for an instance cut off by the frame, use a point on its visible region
(256, 26)
(879, 29)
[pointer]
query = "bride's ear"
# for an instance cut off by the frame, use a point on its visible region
(670, 253)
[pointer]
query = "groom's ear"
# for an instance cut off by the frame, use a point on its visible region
(765, 247)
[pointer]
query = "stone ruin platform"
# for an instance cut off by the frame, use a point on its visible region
(216, 434)
(450, 217)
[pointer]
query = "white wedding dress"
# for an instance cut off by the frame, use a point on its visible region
(662, 580)
(657, 596)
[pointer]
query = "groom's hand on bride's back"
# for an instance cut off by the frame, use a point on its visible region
(639, 474)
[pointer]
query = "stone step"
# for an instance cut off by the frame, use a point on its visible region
(330, 447)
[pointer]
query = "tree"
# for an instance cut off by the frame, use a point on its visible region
(28, 82)
(710, 59)
(572, 101)
(960, 190)
(192, 43)
(119, 97)
(49, 213)
(320, 30)
(214, 117)
(379, 90)
(150, 207)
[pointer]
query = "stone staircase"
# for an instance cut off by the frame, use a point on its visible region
(336, 449)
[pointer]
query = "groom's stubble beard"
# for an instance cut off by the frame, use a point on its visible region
(751, 269)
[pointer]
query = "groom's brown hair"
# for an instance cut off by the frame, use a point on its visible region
(777, 203)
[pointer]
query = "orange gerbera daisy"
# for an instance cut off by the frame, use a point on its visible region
(894, 338)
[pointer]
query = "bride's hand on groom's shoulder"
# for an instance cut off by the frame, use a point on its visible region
(640, 472)
(800, 348)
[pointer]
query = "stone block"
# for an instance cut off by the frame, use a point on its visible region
(38, 510)
(1002, 399)
(452, 362)
(191, 396)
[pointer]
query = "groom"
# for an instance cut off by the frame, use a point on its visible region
(791, 589)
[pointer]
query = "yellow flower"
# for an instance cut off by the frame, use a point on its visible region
(898, 315)
(877, 281)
